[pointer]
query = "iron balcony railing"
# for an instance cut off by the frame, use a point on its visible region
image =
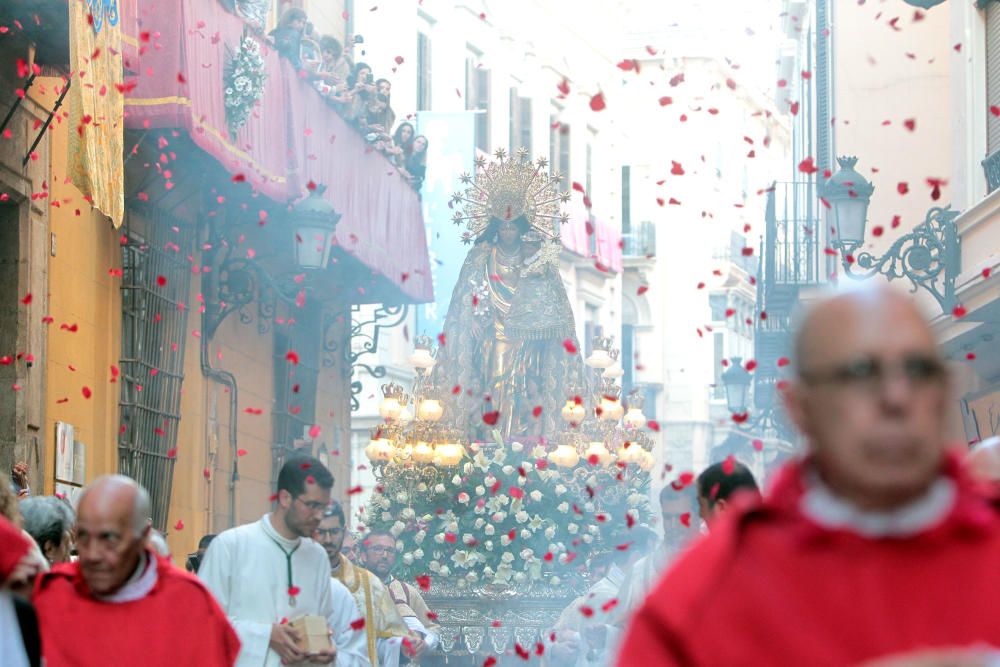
(640, 240)
(991, 165)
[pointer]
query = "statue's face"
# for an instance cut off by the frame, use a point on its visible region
(509, 233)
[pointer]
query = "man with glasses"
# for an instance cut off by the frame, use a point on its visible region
(383, 627)
(378, 549)
(876, 548)
(268, 573)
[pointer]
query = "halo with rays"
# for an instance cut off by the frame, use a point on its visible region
(507, 188)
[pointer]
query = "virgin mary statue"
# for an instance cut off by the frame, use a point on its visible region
(509, 358)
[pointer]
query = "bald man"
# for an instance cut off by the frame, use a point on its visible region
(874, 548)
(120, 602)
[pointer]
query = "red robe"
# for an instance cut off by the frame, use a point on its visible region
(177, 623)
(13, 547)
(768, 586)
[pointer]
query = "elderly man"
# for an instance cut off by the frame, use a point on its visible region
(383, 627)
(379, 552)
(876, 546)
(270, 572)
(120, 602)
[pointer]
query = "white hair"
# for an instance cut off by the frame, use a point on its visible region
(141, 518)
(159, 543)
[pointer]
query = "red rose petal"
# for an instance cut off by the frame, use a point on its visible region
(179, 525)
(491, 418)
(424, 581)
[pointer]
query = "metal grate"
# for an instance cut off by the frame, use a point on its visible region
(156, 279)
(991, 165)
(992, 75)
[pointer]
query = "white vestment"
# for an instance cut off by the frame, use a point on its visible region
(247, 570)
(600, 602)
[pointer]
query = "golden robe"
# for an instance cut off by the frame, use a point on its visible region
(382, 621)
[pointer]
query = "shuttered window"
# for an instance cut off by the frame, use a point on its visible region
(993, 74)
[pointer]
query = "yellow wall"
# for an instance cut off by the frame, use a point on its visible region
(81, 292)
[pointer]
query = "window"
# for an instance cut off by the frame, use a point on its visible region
(592, 244)
(559, 150)
(477, 97)
(627, 357)
(626, 199)
(718, 304)
(423, 72)
(719, 344)
(992, 75)
(520, 122)
(591, 328)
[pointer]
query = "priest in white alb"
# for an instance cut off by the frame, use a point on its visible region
(269, 573)
(383, 626)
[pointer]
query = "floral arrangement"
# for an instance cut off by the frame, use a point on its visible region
(244, 79)
(507, 516)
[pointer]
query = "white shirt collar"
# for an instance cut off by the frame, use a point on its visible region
(138, 585)
(825, 508)
(269, 530)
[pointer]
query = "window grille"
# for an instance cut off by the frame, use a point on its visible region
(156, 281)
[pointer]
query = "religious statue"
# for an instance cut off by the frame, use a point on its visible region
(509, 352)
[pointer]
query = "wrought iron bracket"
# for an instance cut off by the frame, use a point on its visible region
(17, 103)
(368, 330)
(929, 257)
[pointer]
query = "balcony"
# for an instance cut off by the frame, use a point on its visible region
(640, 241)
(292, 141)
(991, 165)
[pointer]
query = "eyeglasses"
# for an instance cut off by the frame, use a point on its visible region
(869, 373)
(314, 505)
(380, 551)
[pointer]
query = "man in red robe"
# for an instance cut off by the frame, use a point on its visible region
(876, 548)
(120, 603)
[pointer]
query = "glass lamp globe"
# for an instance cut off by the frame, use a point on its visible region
(423, 452)
(573, 412)
(599, 359)
(421, 358)
(611, 409)
(565, 456)
(390, 408)
(634, 418)
(597, 451)
(430, 409)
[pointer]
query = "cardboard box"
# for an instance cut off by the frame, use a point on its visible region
(315, 636)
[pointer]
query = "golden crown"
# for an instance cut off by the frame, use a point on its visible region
(506, 189)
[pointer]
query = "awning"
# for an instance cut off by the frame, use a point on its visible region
(596, 240)
(178, 52)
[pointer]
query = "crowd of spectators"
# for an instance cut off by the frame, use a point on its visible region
(351, 89)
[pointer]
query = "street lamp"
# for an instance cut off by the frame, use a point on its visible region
(315, 223)
(848, 194)
(736, 381)
(929, 256)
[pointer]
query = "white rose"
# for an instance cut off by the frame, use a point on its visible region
(419, 536)
(387, 516)
(468, 539)
(563, 507)
(472, 577)
(407, 559)
(520, 578)
(456, 480)
(397, 528)
(508, 470)
(407, 514)
(434, 566)
(490, 530)
(489, 546)
(444, 571)
(528, 466)
(418, 553)
(439, 538)
(422, 487)
(526, 554)
(550, 532)
(588, 507)
(463, 498)
(468, 468)
(554, 581)
(516, 446)
(479, 523)
(525, 534)
(479, 509)
(538, 452)
(499, 517)
(461, 583)
(453, 527)
(480, 490)
(490, 480)
(402, 498)
(536, 495)
(385, 503)
(588, 538)
(560, 489)
(521, 516)
(635, 499)
(507, 557)
(572, 528)
(439, 488)
(504, 540)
